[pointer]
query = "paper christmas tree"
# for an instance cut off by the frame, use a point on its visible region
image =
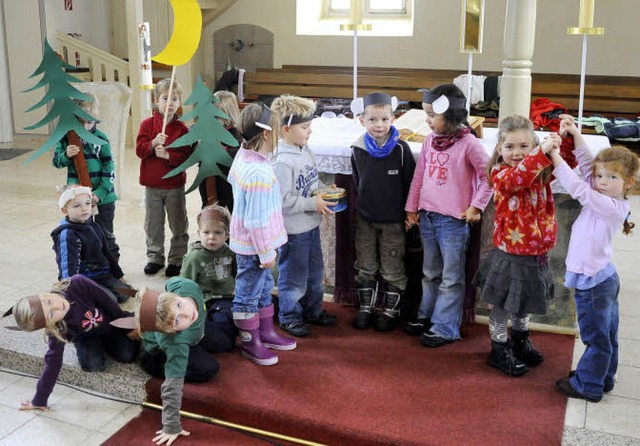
(60, 93)
(208, 133)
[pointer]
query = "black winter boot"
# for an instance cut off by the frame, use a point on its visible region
(367, 297)
(523, 350)
(501, 357)
(390, 316)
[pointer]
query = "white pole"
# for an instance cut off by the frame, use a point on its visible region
(469, 70)
(355, 63)
(583, 71)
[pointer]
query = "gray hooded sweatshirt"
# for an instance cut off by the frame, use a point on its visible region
(296, 171)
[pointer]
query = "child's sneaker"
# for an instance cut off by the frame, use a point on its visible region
(172, 270)
(152, 268)
(297, 328)
(564, 386)
(324, 319)
(416, 327)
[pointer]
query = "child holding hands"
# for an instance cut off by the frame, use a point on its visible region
(605, 208)
(515, 277)
(164, 195)
(257, 230)
(448, 193)
(300, 265)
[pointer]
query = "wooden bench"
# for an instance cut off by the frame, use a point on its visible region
(605, 95)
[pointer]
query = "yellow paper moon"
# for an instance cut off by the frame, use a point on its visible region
(187, 28)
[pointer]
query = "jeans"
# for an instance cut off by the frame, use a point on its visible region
(92, 351)
(598, 319)
(301, 277)
(253, 285)
(444, 240)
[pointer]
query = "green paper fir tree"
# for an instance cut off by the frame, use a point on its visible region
(208, 133)
(60, 93)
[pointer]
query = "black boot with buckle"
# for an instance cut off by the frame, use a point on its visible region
(390, 316)
(367, 295)
(523, 350)
(502, 358)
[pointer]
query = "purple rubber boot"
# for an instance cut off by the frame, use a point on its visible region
(269, 336)
(252, 347)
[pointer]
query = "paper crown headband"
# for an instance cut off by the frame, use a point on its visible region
(39, 320)
(146, 319)
(260, 125)
(71, 193)
(296, 119)
(212, 214)
(442, 103)
(359, 104)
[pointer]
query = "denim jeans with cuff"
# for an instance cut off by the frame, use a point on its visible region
(301, 277)
(598, 318)
(444, 240)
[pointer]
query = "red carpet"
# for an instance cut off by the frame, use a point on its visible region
(347, 387)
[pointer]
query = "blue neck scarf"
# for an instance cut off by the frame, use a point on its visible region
(381, 152)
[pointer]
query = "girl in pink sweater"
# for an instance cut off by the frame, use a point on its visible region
(448, 193)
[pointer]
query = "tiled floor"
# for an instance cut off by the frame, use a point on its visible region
(29, 212)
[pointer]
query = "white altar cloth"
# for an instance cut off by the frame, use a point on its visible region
(331, 140)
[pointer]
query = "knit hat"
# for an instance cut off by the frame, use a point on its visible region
(70, 193)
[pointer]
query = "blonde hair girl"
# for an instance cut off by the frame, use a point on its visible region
(603, 195)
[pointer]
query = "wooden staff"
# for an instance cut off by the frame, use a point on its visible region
(79, 160)
(211, 189)
(169, 94)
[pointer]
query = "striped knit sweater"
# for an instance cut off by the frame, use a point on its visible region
(257, 226)
(99, 163)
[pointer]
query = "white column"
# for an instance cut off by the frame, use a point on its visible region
(6, 117)
(135, 16)
(519, 36)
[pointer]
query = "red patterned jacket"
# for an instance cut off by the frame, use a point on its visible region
(525, 221)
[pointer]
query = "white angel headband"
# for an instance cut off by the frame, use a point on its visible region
(71, 193)
(359, 104)
(442, 103)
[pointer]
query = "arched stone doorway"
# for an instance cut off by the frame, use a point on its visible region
(242, 46)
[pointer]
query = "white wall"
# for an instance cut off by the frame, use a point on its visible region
(24, 53)
(90, 18)
(435, 43)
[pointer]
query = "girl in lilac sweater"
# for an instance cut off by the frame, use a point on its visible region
(603, 196)
(257, 230)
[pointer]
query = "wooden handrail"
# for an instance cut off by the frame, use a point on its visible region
(104, 67)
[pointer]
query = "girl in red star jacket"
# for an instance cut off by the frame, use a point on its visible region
(164, 195)
(515, 276)
(75, 310)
